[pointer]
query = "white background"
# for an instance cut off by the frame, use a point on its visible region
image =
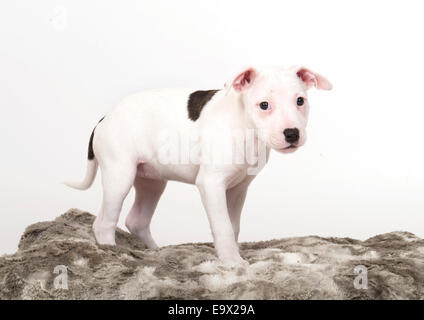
(64, 64)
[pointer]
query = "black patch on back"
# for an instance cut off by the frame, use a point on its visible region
(196, 102)
(90, 144)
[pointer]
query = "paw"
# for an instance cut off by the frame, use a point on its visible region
(104, 238)
(145, 236)
(234, 261)
(105, 241)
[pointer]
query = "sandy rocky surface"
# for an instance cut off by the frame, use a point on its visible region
(294, 268)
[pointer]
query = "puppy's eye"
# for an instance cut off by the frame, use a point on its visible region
(300, 101)
(264, 105)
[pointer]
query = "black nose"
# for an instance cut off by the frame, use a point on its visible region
(292, 135)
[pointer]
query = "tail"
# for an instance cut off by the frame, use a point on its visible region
(92, 166)
(89, 177)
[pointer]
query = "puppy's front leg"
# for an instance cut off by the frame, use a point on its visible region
(213, 193)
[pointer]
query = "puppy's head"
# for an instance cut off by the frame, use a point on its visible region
(276, 103)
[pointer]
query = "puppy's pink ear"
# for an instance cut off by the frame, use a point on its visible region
(244, 79)
(311, 78)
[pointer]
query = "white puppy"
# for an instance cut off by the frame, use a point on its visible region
(215, 139)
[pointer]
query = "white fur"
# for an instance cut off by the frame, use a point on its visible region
(129, 142)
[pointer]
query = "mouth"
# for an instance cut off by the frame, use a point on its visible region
(292, 146)
(289, 149)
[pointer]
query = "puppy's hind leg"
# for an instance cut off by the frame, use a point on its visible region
(117, 180)
(147, 195)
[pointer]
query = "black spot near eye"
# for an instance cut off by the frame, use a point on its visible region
(300, 101)
(263, 105)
